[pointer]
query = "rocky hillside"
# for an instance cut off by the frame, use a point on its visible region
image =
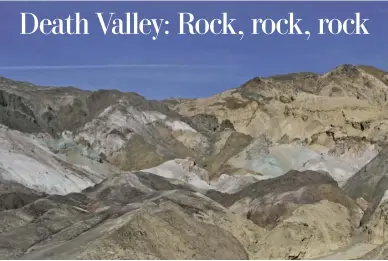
(141, 215)
(323, 121)
(285, 167)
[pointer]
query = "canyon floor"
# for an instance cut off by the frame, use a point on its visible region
(285, 167)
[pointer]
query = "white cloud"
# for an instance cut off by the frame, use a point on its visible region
(105, 66)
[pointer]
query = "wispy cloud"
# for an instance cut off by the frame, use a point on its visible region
(108, 66)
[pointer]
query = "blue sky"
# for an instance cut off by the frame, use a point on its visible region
(198, 66)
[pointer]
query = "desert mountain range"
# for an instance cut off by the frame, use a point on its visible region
(285, 167)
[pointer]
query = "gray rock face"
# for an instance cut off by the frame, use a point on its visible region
(13, 195)
(16, 114)
(370, 183)
(205, 123)
(209, 124)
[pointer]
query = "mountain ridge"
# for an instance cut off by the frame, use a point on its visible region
(289, 167)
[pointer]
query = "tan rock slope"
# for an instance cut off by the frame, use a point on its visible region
(310, 231)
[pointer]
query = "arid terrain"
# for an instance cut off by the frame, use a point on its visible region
(285, 167)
